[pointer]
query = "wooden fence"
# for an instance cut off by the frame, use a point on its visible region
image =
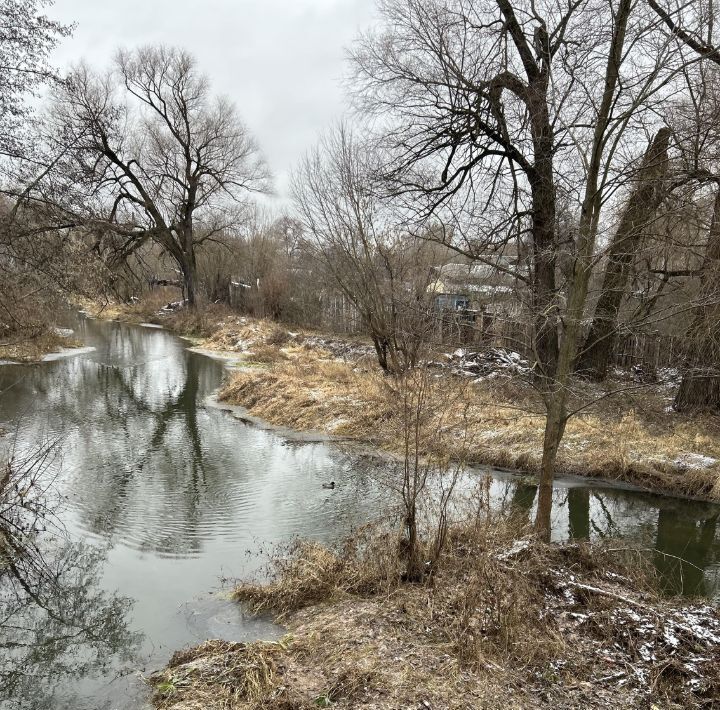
(476, 329)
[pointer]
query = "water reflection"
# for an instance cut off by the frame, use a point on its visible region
(58, 626)
(178, 495)
(680, 536)
(685, 548)
(578, 504)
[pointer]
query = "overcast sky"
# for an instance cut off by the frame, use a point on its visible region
(281, 61)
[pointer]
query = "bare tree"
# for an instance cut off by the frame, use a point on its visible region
(27, 37)
(693, 24)
(151, 155)
(495, 113)
(377, 266)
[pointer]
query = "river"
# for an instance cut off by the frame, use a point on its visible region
(162, 498)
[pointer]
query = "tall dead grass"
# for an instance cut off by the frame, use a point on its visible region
(486, 599)
(502, 620)
(220, 674)
(202, 322)
(34, 345)
(309, 390)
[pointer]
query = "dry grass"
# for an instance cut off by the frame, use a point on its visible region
(309, 573)
(502, 620)
(311, 390)
(34, 346)
(218, 674)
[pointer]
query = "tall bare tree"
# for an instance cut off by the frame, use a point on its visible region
(363, 251)
(151, 155)
(495, 112)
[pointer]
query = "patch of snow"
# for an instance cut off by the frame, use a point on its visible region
(63, 332)
(66, 352)
(487, 363)
(670, 638)
(517, 547)
(691, 460)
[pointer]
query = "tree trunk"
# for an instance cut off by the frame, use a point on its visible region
(544, 291)
(554, 430)
(414, 572)
(382, 352)
(644, 201)
(188, 271)
(700, 385)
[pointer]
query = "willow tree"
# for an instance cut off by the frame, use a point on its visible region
(700, 386)
(152, 155)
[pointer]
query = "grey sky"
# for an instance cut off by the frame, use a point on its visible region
(281, 61)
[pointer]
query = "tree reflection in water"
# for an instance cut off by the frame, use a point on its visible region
(679, 537)
(684, 549)
(56, 623)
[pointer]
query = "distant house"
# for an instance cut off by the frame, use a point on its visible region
(483, 287)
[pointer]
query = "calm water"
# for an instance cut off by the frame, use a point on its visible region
(164, 497)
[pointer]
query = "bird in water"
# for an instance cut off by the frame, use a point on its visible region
(330, 485)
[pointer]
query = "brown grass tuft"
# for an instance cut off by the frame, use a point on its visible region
(219, 674)
(503, 619)
(309, 573)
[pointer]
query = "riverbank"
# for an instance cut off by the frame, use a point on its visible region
(307, 380)
(35, 347)
(503, 621)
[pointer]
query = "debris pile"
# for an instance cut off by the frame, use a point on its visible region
(490, 362)
(635, 645)
(173, 306)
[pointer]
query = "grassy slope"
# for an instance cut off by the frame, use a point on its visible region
(497, 421)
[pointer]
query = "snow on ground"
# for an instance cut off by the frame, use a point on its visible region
(691, 460)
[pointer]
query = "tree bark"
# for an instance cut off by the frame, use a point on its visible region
(700, 385)
(188, 268)
(644, 201)
(544, 286)
(554, 430)
(542, 185)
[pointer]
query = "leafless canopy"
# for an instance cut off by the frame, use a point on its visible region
(152, 155)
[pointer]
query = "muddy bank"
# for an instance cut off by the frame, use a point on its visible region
(564, 626)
